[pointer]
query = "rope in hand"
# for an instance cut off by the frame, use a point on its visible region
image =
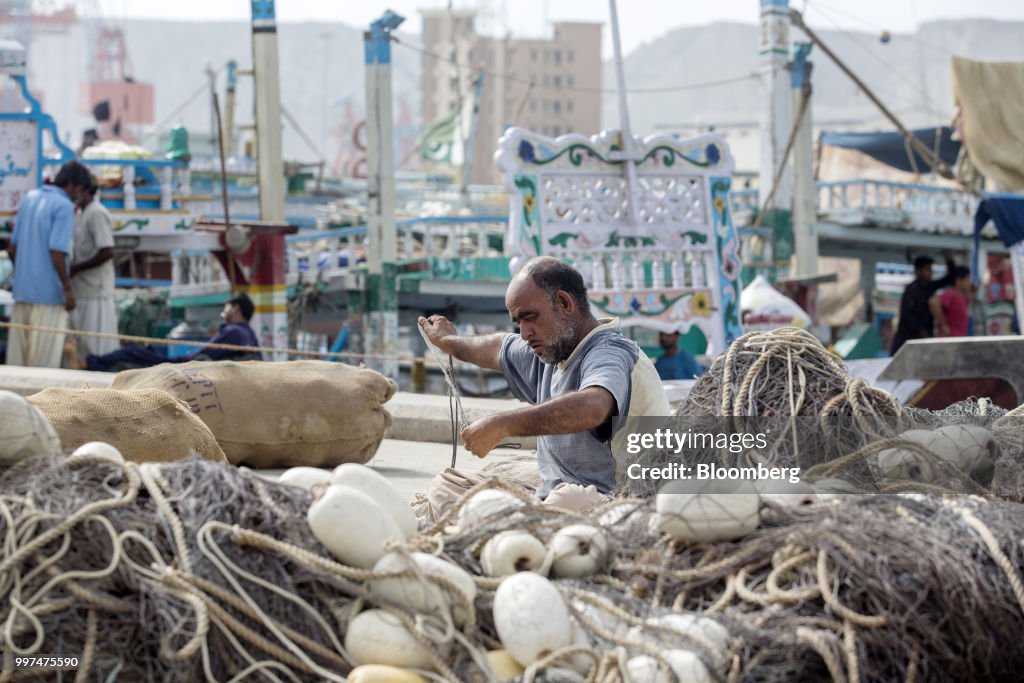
(455, 409)
(457, 413)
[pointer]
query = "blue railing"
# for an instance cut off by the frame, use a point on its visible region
(147, 184)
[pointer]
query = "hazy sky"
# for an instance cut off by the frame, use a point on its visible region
(640, 20)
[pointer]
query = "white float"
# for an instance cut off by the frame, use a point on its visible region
(99, 449)
(378, 637)
(531, 618)
(375, 485)
(352, 526)
(718, 511)
(577, 550)
(424, 596)
(305, 477)
(24, 431)
(484, 504)
(512, 551)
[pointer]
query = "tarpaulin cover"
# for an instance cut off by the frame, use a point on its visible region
(991, 98)
(892, 149)
(1007, 212)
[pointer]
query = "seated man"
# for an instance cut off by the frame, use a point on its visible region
(236, 331)
(577, 372)
(675, 363)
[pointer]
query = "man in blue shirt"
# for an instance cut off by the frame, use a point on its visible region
(235, 331)
(39, 249)
(676, 363)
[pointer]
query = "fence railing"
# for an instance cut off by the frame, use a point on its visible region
(133, 184)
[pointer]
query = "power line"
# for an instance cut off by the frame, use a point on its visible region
(533, 83)
(159, 128)
(878, 27)
(925, 104)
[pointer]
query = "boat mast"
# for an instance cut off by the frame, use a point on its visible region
(628, 155)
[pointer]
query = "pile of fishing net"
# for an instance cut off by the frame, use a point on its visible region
(199, 571)
(842, 434)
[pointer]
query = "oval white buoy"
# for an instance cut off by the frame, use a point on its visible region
(701, 629)
(424, 596)
(99, 449)
(970, 448)
(512, 551)
(578, 550)
(375, 485)
(787, 493)
(305, 477)
(24, 431)
(352, 526)
(906, 464)
(714, 511)
(530, 617)
(686, 666)
(484, 504)
(378, 637)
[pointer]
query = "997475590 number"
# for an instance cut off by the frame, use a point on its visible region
(51, 662)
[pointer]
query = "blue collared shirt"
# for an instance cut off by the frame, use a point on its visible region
(45, 223)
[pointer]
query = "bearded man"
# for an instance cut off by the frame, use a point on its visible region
(577, 372)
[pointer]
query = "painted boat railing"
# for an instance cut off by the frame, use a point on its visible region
(159, 184)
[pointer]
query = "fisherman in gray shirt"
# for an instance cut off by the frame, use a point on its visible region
(577, 372)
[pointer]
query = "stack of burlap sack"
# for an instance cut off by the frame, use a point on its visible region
(313, 413)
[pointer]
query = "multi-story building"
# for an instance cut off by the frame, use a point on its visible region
(551, 86)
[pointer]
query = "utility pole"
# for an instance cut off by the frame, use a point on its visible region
(805, 240)
(267, 286)
(228, 143)
(776, 121)
(381, 319)
(268, 110)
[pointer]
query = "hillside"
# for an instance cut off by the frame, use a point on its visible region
(322, 71)
(911, 73)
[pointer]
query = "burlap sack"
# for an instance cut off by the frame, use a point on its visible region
(146, 425)
(264, 414)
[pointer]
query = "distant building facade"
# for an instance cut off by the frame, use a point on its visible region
(551, 86)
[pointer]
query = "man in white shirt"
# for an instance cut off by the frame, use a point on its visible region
(92, 274)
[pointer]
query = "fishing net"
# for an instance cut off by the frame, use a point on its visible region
(815, 417)
(199, 571)
(784, 374)
(193, 570)
(871, 588)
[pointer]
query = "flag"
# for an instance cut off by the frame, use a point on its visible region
(438, 141)
(444, 141)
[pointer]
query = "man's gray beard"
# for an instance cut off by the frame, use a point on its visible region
(562, 342)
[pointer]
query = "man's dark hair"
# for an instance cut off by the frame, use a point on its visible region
(923, 261)
(245, 305)
(551, 276)
(960, 272)
(73, 173)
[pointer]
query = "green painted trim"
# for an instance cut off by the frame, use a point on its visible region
(670, 158)
(216, 299)
(575, 158)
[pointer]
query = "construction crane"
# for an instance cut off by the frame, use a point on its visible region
(120, 104)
